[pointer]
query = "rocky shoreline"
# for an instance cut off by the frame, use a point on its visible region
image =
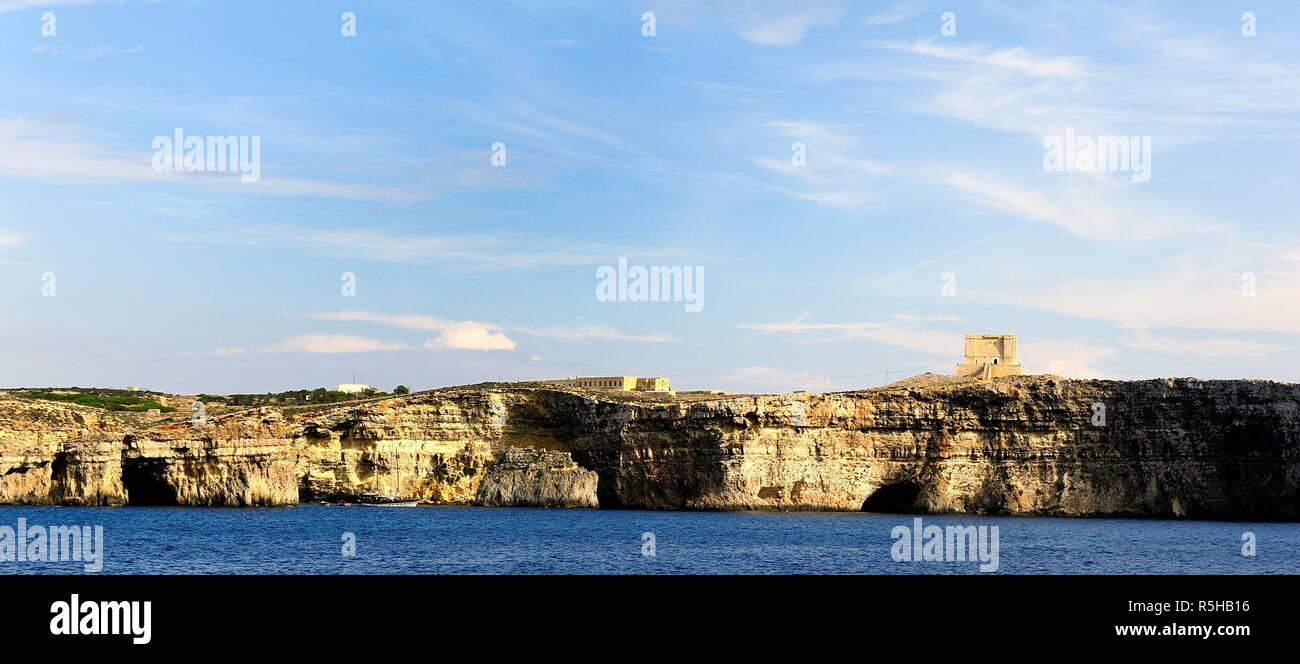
(1017, 445)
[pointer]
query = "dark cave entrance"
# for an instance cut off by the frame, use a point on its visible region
(145, 484)
(606, 494)
(896, 498)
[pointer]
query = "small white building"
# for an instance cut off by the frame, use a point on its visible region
(353, 388)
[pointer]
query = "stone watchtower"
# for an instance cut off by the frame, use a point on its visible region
(990, 356)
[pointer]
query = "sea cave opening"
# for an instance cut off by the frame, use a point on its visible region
(145, 483)
(895, 498)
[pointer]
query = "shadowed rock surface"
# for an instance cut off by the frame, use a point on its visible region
(1017, 445)
(537, 478)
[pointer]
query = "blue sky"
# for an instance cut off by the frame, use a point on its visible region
(924, 158)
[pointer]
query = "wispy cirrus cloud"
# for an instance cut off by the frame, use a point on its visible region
(900, 11)
(95, 52)
(923, 318)
(418, 322)
(15, 5)
(800, 326)
(759, 22)
(484, 336)
(1091, 209)
(1142, 339)
(903, 332)
(1017, 58)
(769, 379)
(833, 170)
(476, 251)
(1186, 84)
(39, 149)
(1096, 208)
(328, 344)
(10, 238)
(592, 332)
(787, 25)
(1070, 358)
(1242, 288)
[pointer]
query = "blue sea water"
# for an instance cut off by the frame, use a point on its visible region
(309, 539)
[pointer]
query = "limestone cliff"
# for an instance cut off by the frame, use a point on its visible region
(537, 478)
(1017, 445)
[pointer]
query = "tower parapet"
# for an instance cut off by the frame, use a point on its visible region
(991, 356)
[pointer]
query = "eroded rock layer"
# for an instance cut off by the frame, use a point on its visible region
(1021, 445)
(537, 478)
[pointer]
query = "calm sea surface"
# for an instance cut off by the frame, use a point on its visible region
(438, 540)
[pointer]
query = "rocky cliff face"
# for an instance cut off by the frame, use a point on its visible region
(1020, 445)
(540, 478)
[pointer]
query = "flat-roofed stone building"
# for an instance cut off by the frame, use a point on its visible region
(619, 383)
(991, 356)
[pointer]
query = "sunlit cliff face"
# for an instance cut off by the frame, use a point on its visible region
(1019, 445)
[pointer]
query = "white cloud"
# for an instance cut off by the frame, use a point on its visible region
(1198, 289)
(920, 318)
(1185, 86)
(471, 336)
(471, 251)
(833, 173)
(456, 334)
(760, 22)
(67, 154)
(10, 238)
(798, 326)
(932, 342)
(899, 12)
(103, 51)
(1018, 58)
(969, 246)
(767, 379)
(418, 322)
(228, 352)
(1143, 340)
(778, 26)
(1071, 359)
(904, 336)
(585, 332)
(1087, 208)
(15, 5)
(329, 344)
